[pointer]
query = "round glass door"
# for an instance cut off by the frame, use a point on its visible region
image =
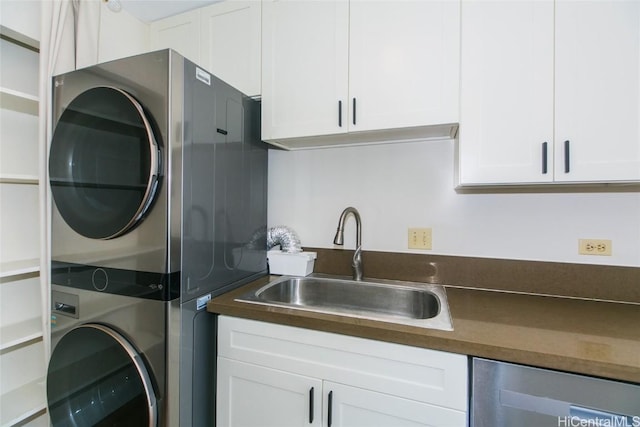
(104, 163)
(96, 378)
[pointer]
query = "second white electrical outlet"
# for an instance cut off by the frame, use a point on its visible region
(420, 238)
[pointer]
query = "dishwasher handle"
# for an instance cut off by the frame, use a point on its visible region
(596, 417)
(559, 408)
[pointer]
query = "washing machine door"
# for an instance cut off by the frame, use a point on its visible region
(97, 378)
(104, 163)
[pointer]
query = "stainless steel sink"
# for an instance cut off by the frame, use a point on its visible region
(408, 303)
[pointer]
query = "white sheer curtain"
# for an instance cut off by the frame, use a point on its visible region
(70, 31)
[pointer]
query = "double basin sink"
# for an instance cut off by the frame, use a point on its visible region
(407, 303)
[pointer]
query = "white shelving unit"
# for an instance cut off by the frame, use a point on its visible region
(19, 405)
(22, 331)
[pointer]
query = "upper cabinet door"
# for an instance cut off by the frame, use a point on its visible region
(230, 32)
(403, 63)
(304, 68)
(506, 107)
(180, 33)
(597, 90)
(224, 38)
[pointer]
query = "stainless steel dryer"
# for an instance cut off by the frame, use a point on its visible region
(158, 178)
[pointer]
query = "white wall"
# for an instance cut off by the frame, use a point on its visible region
(396, 186)
(21, 16)
(121, 35)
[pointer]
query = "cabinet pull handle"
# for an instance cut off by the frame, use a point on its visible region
(330, 410)
(544, 157)
(222, 131)
(354, 111)
(339, 113)
(567, 157)
(311, 406)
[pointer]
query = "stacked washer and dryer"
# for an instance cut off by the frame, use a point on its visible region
(158, 177)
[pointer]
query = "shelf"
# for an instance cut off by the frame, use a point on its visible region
(19, 38)
(16, 268)
(19, 101)
(19, 179)
(23, 343)
(20, 333)
(22, 403)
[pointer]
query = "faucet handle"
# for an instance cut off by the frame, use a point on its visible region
(356, 263)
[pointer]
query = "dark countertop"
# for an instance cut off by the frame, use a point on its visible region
(575, 335)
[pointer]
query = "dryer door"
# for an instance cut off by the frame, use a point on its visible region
(104, 163)
(97, 378)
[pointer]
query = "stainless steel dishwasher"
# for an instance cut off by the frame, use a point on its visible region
(507, 395)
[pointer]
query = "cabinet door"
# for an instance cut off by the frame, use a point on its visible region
(598, 90)
(403, 63)
(304, 68)
(230, 43)
(180, 33)
(249, 395)
(506, 102)
(349, 406)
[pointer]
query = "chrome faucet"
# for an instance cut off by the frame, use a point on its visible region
(339, 240)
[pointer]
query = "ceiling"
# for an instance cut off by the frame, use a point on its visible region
(152, 10)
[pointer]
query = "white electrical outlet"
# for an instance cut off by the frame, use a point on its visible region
(420, 238)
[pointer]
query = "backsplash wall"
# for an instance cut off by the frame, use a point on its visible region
(397, 186)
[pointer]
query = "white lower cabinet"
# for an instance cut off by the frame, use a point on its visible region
(275, 375)
(352, 406)
(252, 395)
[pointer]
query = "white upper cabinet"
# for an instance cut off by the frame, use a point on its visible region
(180, 33)
(224, 38)
(230, 43)
(304, 68)
(549, 92)
(506, 103)
(333, 68)
(597, 96)
(403, 63)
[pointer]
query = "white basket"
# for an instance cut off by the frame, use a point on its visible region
(291, 264)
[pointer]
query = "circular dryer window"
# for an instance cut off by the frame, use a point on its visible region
(96, 378)
(104, 163)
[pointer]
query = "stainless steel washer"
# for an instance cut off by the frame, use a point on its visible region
(107, 366)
